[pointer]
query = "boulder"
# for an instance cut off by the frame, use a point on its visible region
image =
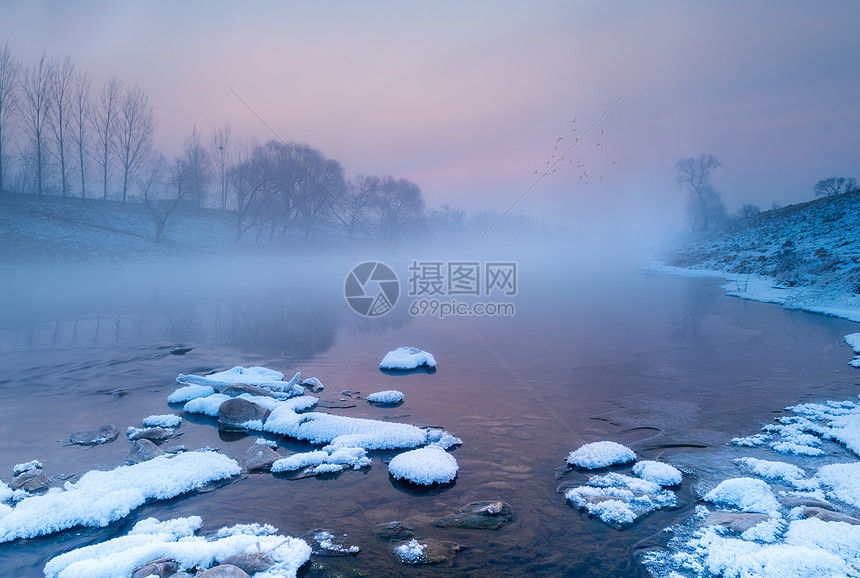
(260, 457)
(235, 412)
(30, 480)
(325, 543)
(141, 451)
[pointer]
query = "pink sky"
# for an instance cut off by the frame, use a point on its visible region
(469, 99)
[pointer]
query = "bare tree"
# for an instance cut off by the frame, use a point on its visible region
(163, 186)
(748, 210)
(219, 152)
(60, 94)
(319, 185)
(399, 205)
(196, 170)
(362, 197)
(705, 206)
(834, 186)
(81, 112)
(133, 137)
(34, 114)
(9, 69)
(250, 180)
(104, 120)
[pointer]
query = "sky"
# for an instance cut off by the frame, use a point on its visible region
(470, 99)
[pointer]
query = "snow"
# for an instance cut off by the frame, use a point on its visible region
(150, 539)
(843, 480)
(746, 494)
(259, 376)
(166, 420)
(26, 467)
(619, 500)
(425, 466)
(405, 358)
(387, 396)
(411, 552)
(600, 455)
(342, 431)
(853, 341)
(190, 392)
(343, 456)
(778, 472)
(102, 497)
(662, 474)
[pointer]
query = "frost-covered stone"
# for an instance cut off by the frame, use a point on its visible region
(389, 396)
(168, 420)
(405, 358)
(600, 455)
(658, 472)
(425, 466)
(620, 500)
(746, 494)
(100, 435)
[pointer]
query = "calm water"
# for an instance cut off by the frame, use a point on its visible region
(668, 366)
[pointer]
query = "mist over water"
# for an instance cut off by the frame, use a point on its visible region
(668, 366)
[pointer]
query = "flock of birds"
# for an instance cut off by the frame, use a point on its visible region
(560, 156)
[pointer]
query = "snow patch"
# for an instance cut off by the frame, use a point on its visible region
(425, 466)
(405, 358)
(600, 455)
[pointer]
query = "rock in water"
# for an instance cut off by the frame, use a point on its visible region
(141, 451)
(101, 435)
(160, 568)
(30, 480)
(236, 412)
(224, 571)
(830, 516)
(489, 515)
(260, 457)
(324, 543)
(237, 389)
(426, 551)
(397, 531)
(250, 563)
(735, 521)
(157, 433)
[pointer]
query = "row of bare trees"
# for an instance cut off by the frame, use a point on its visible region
(58, 137)
(55, 132)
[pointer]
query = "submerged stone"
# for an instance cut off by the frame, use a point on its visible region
(425, 551)
(324, 543)
(100, 435)
(394, 531)
(487, 515)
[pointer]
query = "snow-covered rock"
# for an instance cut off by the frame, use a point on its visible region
(746, 494)
(389, 396)
(405, 358)
(151, 539)
(425, 466)
(658, 472)
(600, 455)
(102, 497)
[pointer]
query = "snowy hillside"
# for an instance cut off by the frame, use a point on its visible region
(804, 256)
